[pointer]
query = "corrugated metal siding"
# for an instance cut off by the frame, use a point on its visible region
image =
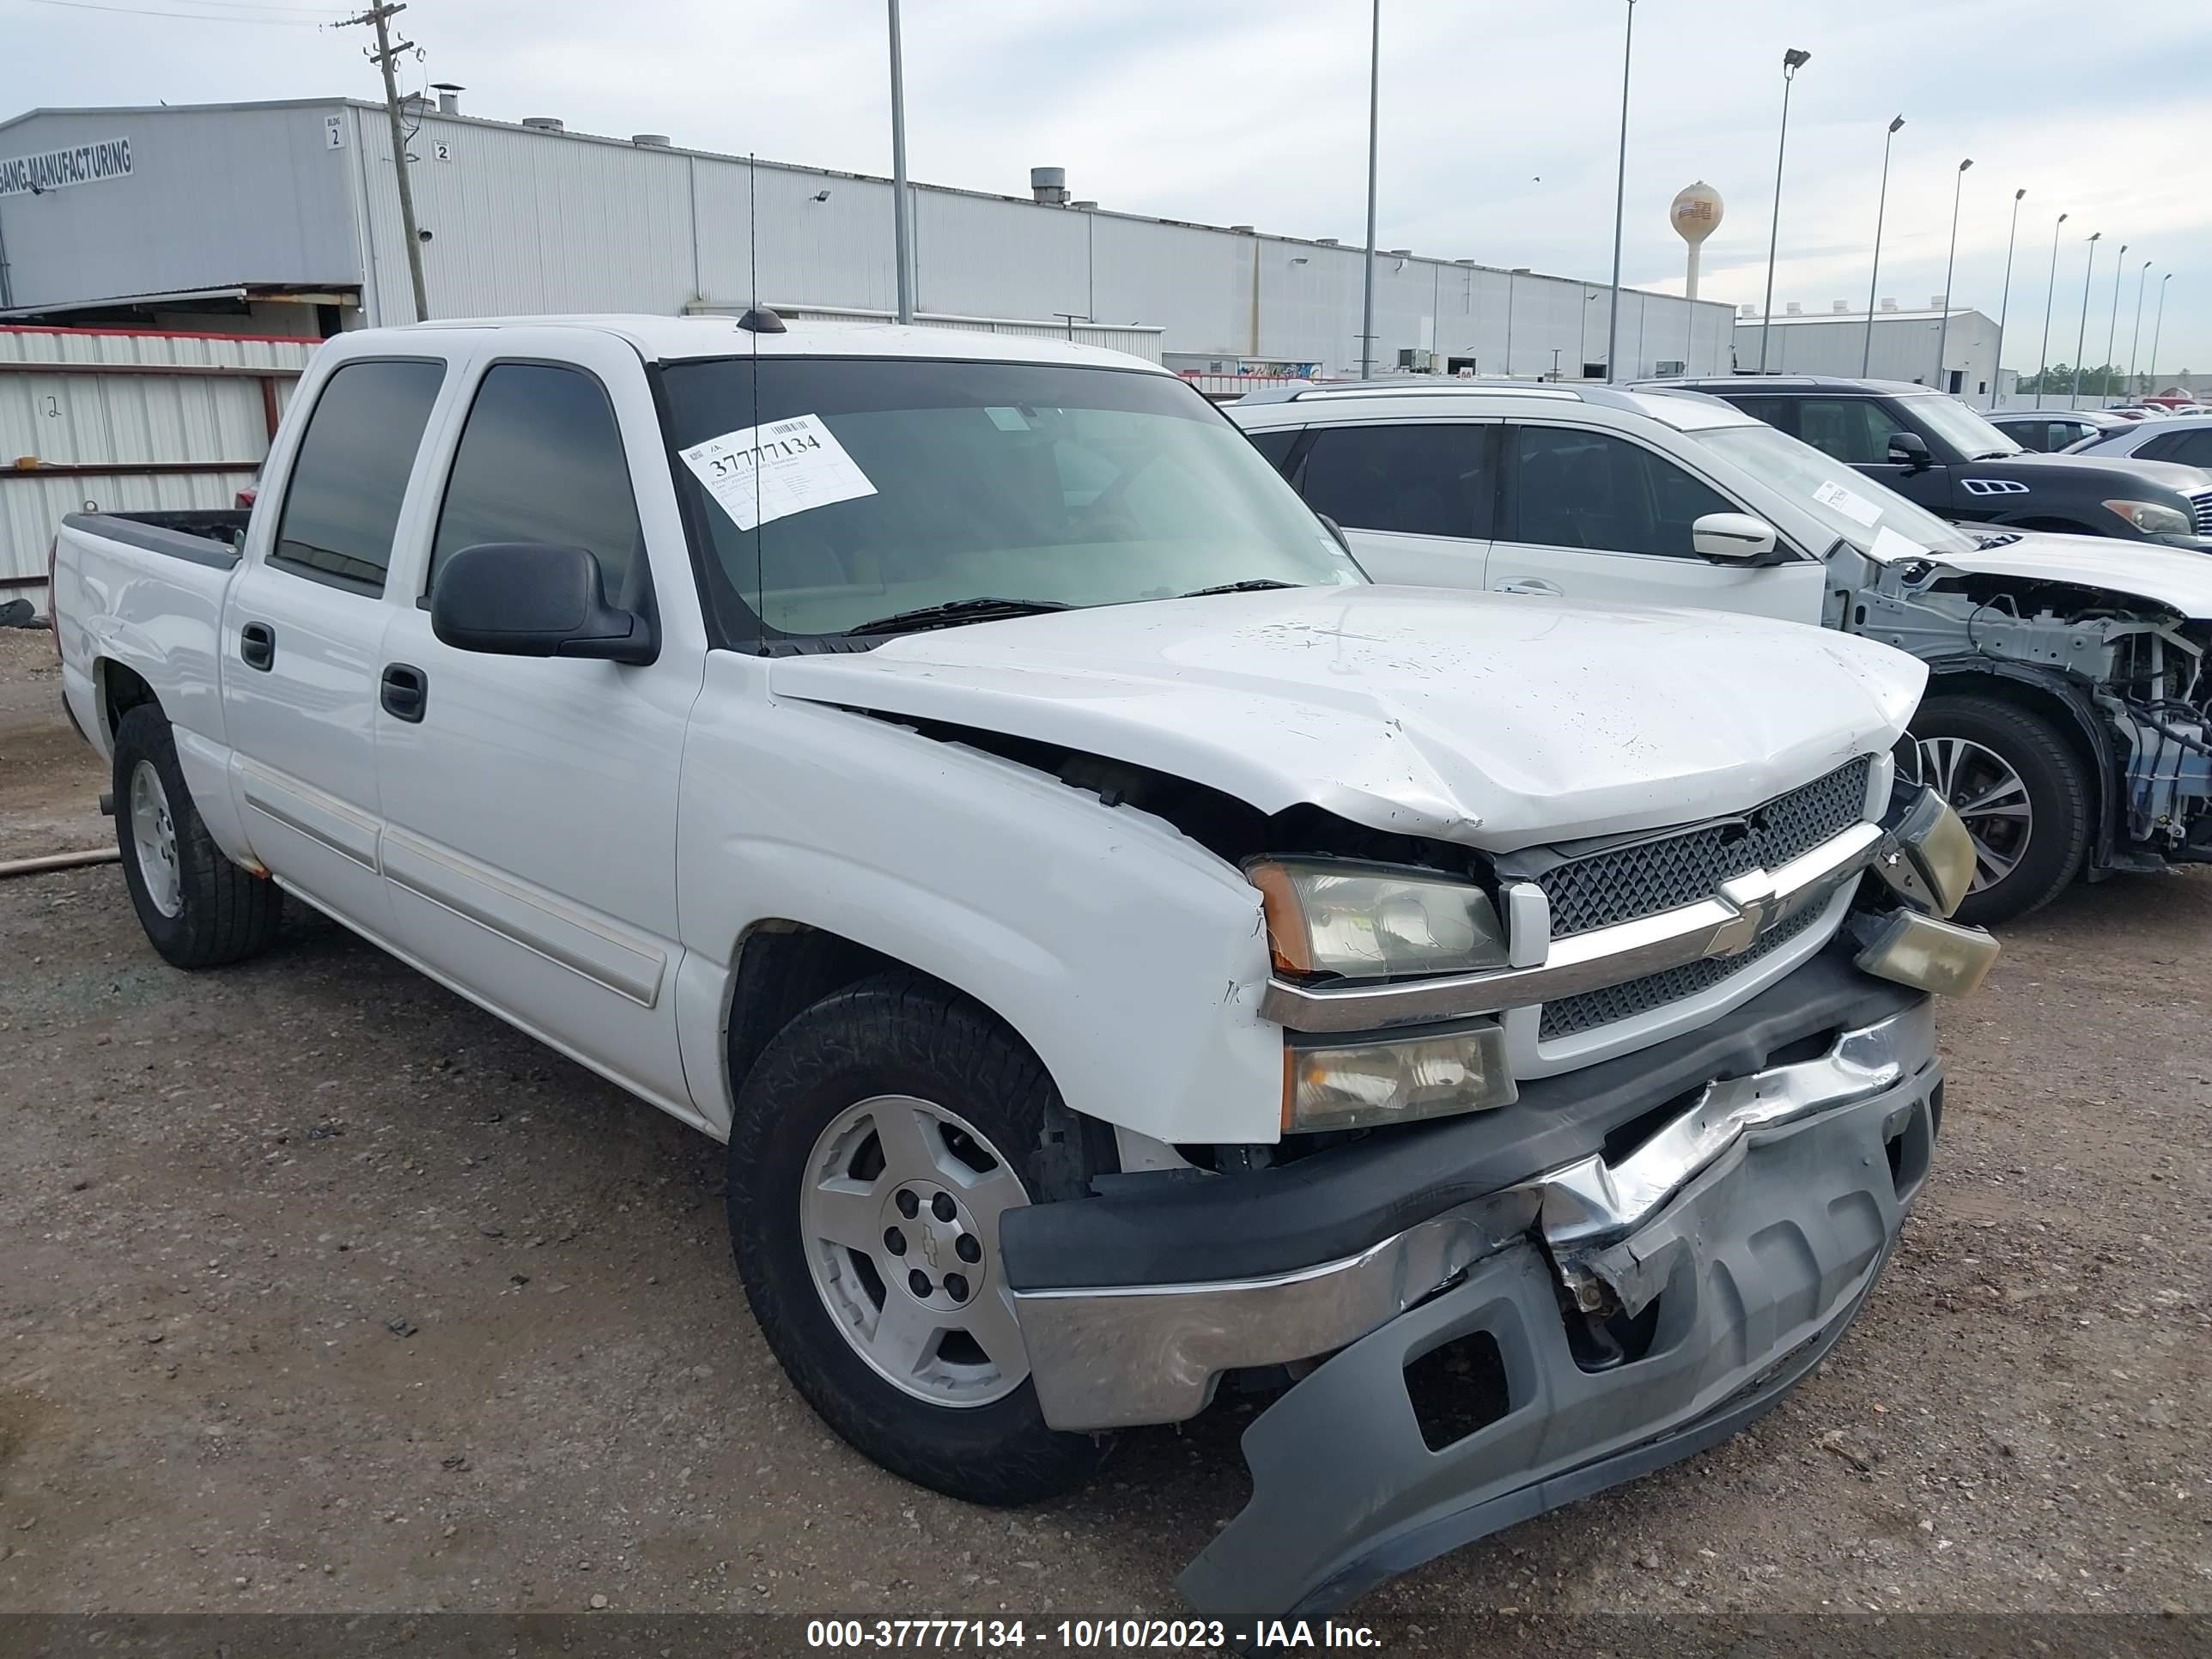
(1904, 347)
(525, 222)
(91, 420)
(214, 197)
(520, 225)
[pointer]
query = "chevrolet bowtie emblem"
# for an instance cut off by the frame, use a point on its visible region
(1757, 908)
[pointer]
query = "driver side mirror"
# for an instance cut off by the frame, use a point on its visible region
(1733, 537)
(1909, 450)
(521, 599)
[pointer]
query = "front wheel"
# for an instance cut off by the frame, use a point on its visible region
(2022, 791)
(878, 1142)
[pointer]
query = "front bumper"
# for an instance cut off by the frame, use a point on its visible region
(1736, 1192)
(1758, 1268)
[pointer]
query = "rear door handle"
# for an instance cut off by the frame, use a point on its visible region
(405, 692)
(1532, 584)
(257, 645)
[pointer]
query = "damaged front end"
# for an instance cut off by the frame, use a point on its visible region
(2132, 671)
(1487, 1313)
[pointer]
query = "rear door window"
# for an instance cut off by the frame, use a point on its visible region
(348, 479)
(1415, 480)
(2190, 448)
(1778, 412)
(1276, 444)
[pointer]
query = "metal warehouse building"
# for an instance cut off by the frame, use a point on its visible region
(284, 218)
(1835, 342)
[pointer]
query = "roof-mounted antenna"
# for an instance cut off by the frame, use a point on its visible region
(757, 321)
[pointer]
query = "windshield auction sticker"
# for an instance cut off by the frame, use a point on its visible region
(1853, 507)
(762, 473)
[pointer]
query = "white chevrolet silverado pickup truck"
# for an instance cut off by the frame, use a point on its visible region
(1126, 952)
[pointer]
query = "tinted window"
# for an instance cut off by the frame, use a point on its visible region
(1422, 480)
(351, 474)
(1855, 430)
(1775, 411)
(1277, 445)
(2190, 448)
(1573, 489)
(541, 460)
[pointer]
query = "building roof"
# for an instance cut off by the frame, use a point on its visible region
(564, 134)
(1783, 320)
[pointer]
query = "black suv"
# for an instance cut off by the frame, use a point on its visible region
(1933, 450)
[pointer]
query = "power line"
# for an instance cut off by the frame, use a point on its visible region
(195, 17)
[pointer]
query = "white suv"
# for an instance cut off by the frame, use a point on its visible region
(2065, 717)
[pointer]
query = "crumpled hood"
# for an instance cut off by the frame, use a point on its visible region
(2170, 576)
(1498, 720)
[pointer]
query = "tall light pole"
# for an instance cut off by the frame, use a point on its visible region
(2135, 338)
(1997, 372)
(1874, 277)
(2050, 293)
(901, 228)
(1374, 116)
(2150, 369)
(1620, 203)
(1950, 264)
(2112, 323)
(1792, 61)
(2082, 340)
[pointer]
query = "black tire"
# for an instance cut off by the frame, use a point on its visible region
(225, 914)
(2061, 796)
(898, 1033)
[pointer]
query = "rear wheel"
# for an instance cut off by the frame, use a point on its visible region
(878, 1143)
(199, 909)
(2022, 793)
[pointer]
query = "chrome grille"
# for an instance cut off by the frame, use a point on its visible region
(1566, 1015)
(2202, 501)
(1640, 880)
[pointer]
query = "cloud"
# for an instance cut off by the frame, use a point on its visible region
(1255, 112)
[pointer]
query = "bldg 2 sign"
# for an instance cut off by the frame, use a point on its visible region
(56, 169)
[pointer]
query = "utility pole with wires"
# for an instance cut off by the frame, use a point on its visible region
(384, 56)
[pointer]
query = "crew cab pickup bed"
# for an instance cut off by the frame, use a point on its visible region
(1122, 948)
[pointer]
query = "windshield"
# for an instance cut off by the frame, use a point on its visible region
(1843, 499)
(876, 488)
(1963, 428)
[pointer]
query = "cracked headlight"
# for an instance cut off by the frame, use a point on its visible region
(1927, 855)
(1374, 921)
(2152, 518)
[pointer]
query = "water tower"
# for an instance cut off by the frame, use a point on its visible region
(1695, 214)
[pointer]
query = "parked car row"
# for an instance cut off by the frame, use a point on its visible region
(2064, 716)
(1128, 951)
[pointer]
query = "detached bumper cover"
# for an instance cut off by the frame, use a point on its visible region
(1756, 1267)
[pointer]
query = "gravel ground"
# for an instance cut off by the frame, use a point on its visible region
(325, 1291)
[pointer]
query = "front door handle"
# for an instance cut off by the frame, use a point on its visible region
(1532, 584)
(257, 645)
(405, 692)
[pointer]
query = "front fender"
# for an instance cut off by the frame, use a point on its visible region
(1130, 958)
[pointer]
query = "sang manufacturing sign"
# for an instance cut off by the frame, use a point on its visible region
(86, 164)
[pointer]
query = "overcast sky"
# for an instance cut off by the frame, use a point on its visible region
(1500, 121)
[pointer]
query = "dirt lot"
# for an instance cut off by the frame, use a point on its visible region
(324, 1291)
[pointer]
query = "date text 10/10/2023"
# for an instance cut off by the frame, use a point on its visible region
(1086, 1634)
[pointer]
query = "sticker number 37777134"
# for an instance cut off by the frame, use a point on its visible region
(762, 473)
